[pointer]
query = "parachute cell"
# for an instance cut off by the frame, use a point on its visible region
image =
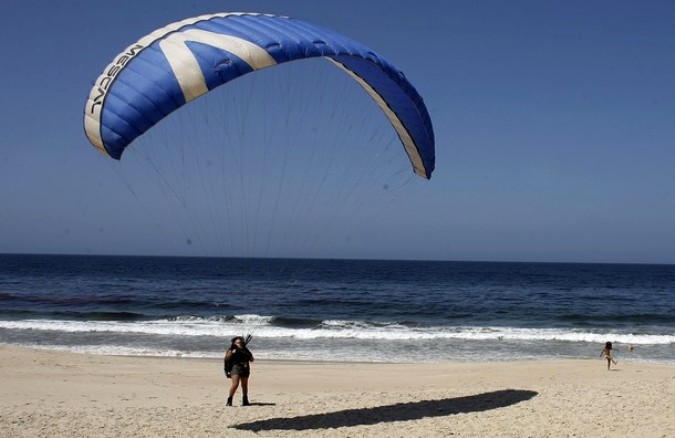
(184, 60)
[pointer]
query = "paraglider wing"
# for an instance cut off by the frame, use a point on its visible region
(179, 62)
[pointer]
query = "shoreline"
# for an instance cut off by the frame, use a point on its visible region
(623, 356)
(54, 393)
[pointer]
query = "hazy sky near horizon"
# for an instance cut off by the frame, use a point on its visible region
(554, 123)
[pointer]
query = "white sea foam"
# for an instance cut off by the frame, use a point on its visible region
(119, 350)
(262, 327)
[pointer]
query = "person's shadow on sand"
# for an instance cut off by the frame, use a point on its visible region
(397, 412)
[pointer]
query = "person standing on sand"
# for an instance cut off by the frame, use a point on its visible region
(607, 354)
(238, 368)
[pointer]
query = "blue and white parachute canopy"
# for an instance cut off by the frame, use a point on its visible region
(179, 62)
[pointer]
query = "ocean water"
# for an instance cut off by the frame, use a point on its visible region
(338, 310)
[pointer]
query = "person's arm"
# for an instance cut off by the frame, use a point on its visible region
(226, 363)
(249, 354)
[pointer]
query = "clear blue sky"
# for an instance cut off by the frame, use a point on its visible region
(554, 121)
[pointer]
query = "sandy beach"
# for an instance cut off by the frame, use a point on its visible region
(49, 393)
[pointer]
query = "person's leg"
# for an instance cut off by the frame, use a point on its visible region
(244, 386)
(244, 391)
(233, 388)
(235, 384)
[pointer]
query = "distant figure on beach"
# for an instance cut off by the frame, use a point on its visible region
(607, 354)
(238, 368)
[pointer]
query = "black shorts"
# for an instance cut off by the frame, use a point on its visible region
(241, 370)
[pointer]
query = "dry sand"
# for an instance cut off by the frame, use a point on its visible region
(55, 394)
